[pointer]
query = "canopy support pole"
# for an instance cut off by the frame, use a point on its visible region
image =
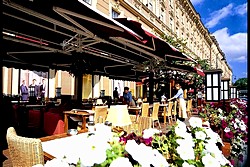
(78, 87)
(151, 88)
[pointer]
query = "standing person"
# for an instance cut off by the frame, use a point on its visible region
(182, 104)
(127, 97)
(34, 89)
(24, 91)
(115, 94)
(42, 89)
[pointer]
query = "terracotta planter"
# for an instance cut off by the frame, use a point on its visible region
(226, 149)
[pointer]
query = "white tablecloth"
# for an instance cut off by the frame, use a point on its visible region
(70, 147)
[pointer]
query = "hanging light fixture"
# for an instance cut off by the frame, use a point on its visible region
(213, 85)
(233, 92)
(225, 89)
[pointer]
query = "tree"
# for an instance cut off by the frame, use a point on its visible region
(241, 83)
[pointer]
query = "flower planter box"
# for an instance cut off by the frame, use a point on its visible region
(226, 149)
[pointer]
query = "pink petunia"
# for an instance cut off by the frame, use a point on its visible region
(224, 124)
(232, 162)
(229, 135)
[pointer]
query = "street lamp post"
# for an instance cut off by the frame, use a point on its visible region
(234, 78)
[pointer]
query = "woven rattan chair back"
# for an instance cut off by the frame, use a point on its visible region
(144, 123)
(24, 151)
(156, 106)
(129, 128)
(100, 112)
(155, 112)
(145, 108)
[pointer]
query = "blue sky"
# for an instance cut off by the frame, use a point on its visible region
(227, 21)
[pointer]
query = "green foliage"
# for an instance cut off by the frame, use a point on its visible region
(161, 144)
(117, 150)
(241, 83)
(178, 43)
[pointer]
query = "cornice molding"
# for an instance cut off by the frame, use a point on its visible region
(143, 19)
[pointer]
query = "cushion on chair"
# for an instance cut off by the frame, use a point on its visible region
(51, 125)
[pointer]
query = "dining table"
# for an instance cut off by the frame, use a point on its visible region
(57, 146)
(77, 112)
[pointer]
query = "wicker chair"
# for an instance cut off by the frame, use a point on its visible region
(130, 128)
(189, 108)
(24, 152)
(144, 123)
(100, 111)
(145, 108)
(155, 113)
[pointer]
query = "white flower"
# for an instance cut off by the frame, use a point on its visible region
(210, 161)
(195, 122)
(222, 117)
(185, 164)
(56, 162)
(233, 106)
(135, 151)
(227, 129)
(185, 152)
(237, 120)
(220, 110)
(150, 156)
(222, 160)
(212, 148)
(242, 125)
(235, 125)
(181, 142)
(121, 162)
(181, 128)
(94, 151)
(200, 135)
(189, 139)
(147, 133)
(158, 160)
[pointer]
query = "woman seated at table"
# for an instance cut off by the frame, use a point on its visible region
(127, 97)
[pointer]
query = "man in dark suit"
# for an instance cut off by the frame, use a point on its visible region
(115, 94)
(24, 91)
(42, 89)
(34, 90)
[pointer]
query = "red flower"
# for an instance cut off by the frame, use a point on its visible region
(223, 124)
